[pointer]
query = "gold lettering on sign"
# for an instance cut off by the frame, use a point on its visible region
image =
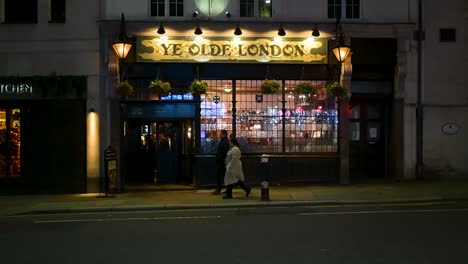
(264, 50)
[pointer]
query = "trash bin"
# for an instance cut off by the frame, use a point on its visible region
(264, 179)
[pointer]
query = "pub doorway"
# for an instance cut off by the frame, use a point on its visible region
(157, 151)
(368, 137)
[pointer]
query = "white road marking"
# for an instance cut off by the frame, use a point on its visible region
(387, 212)
(127, 219)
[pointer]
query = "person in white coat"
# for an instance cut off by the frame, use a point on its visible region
(234, 174)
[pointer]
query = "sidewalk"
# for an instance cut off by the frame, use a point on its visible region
(312, 194)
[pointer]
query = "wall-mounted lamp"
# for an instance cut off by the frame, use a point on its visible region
(198, 30)
(91, 110)
(161, 30)
(341, 50)
(238, 31)
(315, 31)
(281, 31)
(195, 14)
(121, 45)
(228, 14)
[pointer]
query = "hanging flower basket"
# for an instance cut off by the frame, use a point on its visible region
(337, 90)
(160, 87)
(270, 87)
(124, 89)
(198, 87)
(304, 88)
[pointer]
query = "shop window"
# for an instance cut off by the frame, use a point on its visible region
(247, 8)
(176, 7)
(158, 7)
(215, 114)
(334, 8)
(57, 11)
(352, 9)
(259, 125)
(264, 8)
(10, 143)
(21, 12)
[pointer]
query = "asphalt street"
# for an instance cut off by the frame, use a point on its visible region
(379, 233)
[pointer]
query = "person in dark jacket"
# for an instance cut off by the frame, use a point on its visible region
(223, 148)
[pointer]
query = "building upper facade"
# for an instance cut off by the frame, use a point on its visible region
(41, 37)
(370, 11)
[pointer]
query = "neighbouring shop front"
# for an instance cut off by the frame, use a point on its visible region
(43, 134)
(299, 132)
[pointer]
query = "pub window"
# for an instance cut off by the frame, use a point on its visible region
(215, 114)
(448, 35)
(57, 10)
(21, 12)
(311, 121)
(259, 120)
(352, 9)
(176, 7)
(334, 8)
(247, 8)
(264, 8)
(158, 7)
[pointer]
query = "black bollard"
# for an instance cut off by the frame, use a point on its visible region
(264, 185)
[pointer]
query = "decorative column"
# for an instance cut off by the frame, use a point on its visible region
(345, 80)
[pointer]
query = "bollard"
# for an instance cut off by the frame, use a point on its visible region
(264, 185)
(265, 191)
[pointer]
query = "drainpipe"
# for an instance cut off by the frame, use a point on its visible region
(419, 107)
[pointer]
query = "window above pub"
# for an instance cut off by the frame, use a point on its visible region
(161, 8)
(248, 7)
(57, 11)
(352, 9)
(21, 12)
(448, 35)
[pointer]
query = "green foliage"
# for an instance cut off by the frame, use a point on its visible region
(270, 87)
(198, 87)
(160, 87)
(337, 90)
(304, 88)
(125, 88)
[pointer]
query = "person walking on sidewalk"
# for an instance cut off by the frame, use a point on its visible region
(234, 174)
(223, 148)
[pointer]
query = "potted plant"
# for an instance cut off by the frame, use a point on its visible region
(124, 89)
(337, 90)
(159, 87)
(304, 88)
(198, 87)
(270, 87)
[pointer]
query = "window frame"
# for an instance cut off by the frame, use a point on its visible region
(13, 18)
(179, 4)
(354, 6)
(57, 19)
(246, 5)
(157, 3)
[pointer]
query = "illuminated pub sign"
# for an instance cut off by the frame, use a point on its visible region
(188, 49)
